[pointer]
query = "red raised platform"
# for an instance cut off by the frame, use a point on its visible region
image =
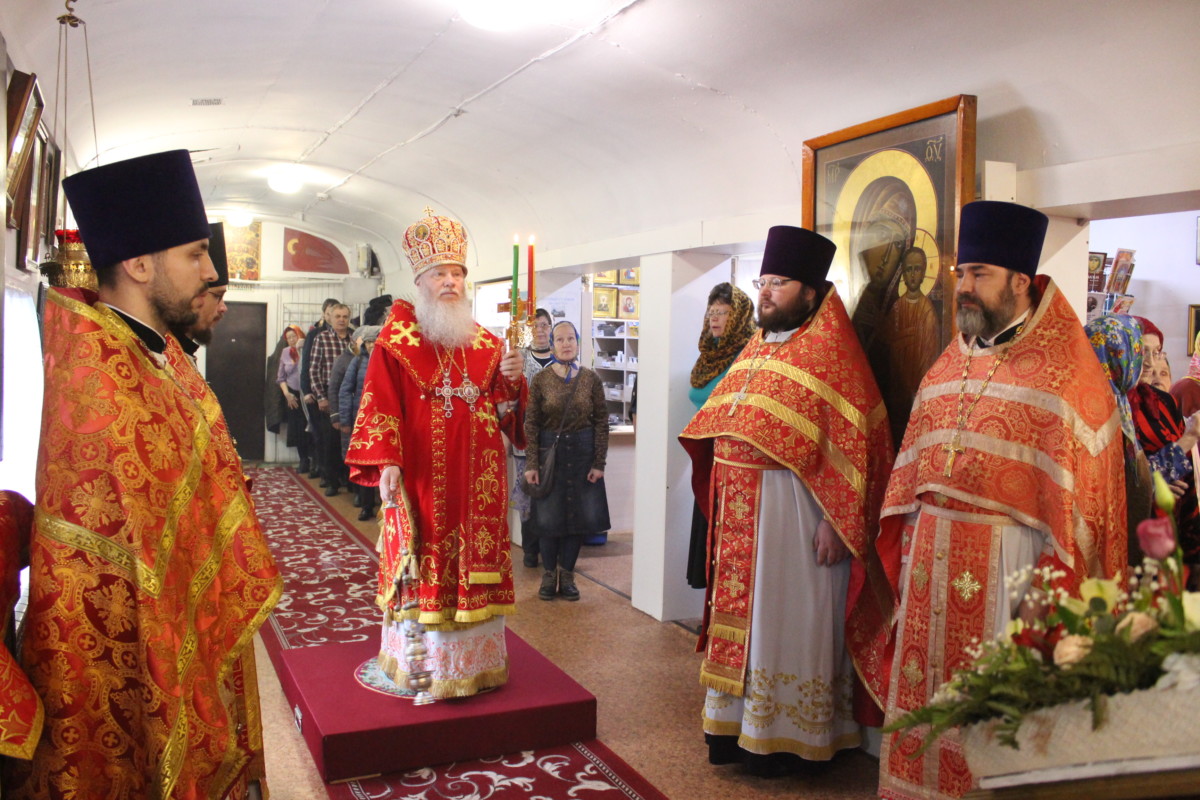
(354, 732)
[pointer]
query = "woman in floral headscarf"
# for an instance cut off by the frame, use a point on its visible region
(1153, 428)
(1117, 342)
(1187, 390)
(728, 325)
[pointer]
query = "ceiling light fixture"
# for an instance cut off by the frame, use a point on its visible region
(286, 179)
(509, 15)
(239, 218)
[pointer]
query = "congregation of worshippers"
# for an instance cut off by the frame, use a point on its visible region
(828, 505)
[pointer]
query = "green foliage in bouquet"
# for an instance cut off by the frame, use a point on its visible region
(1102, 642)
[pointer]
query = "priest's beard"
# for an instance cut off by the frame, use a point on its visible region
(445, 322)
(787, 318)
(987, 321)
(173, 309)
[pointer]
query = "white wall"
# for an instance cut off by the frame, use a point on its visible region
(21, 410)
(1166, 278)
(1064, 259)
(675, 287)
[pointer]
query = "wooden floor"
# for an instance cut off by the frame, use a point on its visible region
(643, 673)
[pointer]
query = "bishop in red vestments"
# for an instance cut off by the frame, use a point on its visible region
(790, 457)
(149, 574)
(1013, 459)
(438, 392)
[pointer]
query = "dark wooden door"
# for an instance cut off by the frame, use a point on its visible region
(235, 368)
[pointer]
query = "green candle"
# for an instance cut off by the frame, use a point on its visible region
(512, 311)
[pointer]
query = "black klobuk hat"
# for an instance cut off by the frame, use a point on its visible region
(216, 251)
(1002, 234)
(139, 206)
(798, 253)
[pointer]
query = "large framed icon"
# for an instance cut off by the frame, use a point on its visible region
(24, 112)
(1193, 327)
(888, 193)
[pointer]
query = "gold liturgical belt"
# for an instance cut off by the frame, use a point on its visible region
(737, 453)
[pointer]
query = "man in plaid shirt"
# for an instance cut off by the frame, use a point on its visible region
(326, 347)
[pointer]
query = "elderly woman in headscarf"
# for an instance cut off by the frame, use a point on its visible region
(1153, 429)
(1168, 438)
(728, 325)
(1186, 390)
(567, 406)
(1161, 428)
(1117, 342)
(287, 376)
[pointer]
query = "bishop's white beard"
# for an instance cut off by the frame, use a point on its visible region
(447, 323)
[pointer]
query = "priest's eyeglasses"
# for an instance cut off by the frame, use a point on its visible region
(774, 283)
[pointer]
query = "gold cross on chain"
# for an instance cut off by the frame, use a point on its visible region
(952, 448)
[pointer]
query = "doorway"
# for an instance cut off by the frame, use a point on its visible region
(235, 367)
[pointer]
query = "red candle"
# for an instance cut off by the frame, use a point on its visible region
(532, 307)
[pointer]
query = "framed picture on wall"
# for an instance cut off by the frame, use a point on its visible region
(32, 194)
(604, 303)
(51, 169)
(1193, 327)
(627, 304)
(24, 112)
(629, 277)
(888, 193)
(607, 276)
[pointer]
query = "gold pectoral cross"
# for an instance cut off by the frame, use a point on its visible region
(952, 448)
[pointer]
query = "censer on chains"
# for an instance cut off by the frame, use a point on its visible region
(416, 649)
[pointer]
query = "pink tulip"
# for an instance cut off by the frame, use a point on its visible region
(1156, 537)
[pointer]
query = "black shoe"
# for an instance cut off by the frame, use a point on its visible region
(772, 765)
(549, 585)
(530, 560)
(324, 484)
(367, 513)
(302, 467)
(566, 585)
(357, 500)
(314, 474)
(332, 490)
(723, 749)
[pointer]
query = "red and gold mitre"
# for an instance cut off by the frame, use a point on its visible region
(433, 241)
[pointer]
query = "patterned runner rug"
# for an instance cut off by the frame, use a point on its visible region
(584, 770)
(329, 568)
(329, 572)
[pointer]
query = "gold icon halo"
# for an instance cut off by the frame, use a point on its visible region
(905, 167)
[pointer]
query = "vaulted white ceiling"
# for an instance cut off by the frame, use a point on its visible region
(651, 114)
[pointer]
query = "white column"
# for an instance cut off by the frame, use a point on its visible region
(674, 290)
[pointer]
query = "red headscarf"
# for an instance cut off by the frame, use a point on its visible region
(1150, 327)
(299, 338)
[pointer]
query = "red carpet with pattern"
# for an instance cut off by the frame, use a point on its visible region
(584, 770)
(329, 587)
(328, 567)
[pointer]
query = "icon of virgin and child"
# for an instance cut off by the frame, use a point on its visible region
(897, 323)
